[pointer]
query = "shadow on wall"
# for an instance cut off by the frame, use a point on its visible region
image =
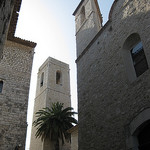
(135, 25)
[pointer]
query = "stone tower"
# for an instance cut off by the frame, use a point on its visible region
(53, 85)
(88, 21)
(15, 72)
(113, 77)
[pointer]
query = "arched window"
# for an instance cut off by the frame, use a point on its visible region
(139, 59)
(134, 56)
(42, 79)
(58, 77)
(1, 86)
(82, 14)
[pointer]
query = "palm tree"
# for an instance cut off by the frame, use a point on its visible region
(53, 123)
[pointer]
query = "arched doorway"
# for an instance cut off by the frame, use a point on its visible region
(144, 137)
(138, 137)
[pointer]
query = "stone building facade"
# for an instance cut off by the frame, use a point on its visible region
(15, 73)
(53, 85)
(74, 137)
(6, 8)
(113, 76)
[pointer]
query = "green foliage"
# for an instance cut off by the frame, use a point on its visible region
(54, 122)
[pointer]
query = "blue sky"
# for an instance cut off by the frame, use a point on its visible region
(51, 25)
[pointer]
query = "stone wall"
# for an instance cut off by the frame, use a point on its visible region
(74, 137)
(108, 99)
(6, 7)
(15, 72)
(90, 24)
(74, 140)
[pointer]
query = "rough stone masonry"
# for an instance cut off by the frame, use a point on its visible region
(6, 7)
(114, 104)
(15, 73)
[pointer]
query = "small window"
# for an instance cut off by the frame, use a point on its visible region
(1, 86)
(82, 13)
(139, 59)
(42, 80)
(58, 77)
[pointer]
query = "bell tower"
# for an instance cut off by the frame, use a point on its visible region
(88, 21)
(53, 85)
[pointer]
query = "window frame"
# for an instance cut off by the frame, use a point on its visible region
(58, 77)
(129, 43)
(42, 80)
(1, 86)
(138, 57)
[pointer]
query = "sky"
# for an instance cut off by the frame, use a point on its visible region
(51, 25)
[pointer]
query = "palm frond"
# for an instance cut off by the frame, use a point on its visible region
(54, 122)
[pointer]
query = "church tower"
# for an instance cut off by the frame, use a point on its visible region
(53, 85)
(113, 76)
(88, 21)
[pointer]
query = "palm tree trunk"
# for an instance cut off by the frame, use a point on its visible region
(57, 145)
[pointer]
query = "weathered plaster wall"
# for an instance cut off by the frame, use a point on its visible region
(108, 101)
(15, 72)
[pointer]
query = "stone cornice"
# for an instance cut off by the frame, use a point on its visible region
(21, 41)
